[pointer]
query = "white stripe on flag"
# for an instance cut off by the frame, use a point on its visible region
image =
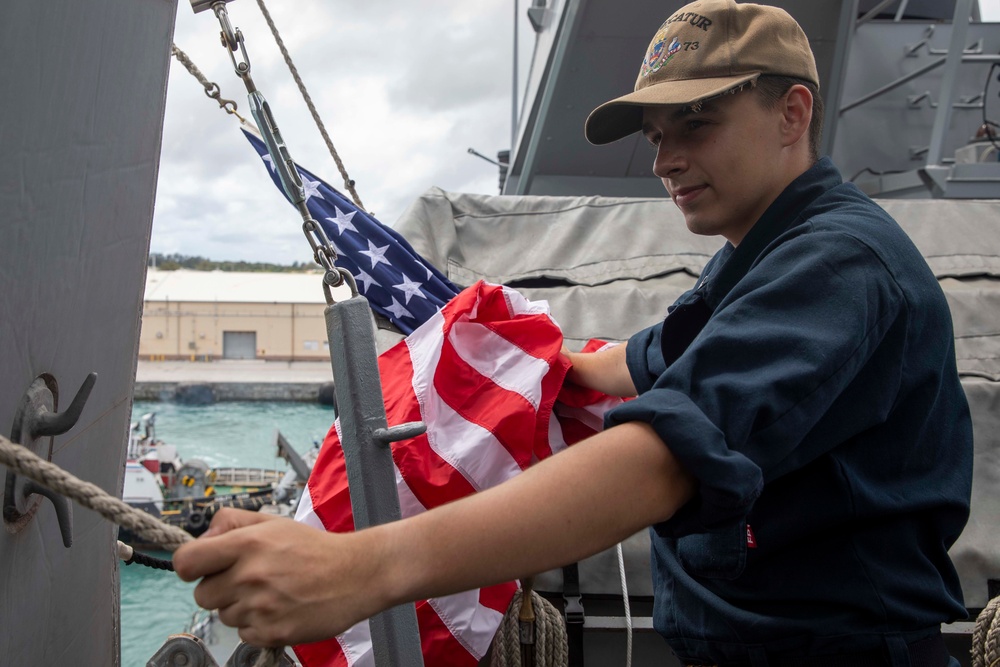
(485, 462)
(519, 305)
(356, 643)
(304, 513)
(472, 624)
(557, 442)
(408, 503)
(495, 357)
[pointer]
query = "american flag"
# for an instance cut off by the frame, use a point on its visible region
(484, 374)
(482, 369)
(400, 285)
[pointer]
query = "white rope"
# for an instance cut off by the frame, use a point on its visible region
(986, 636)
(23, 462)
(628, 611)
(550, 648)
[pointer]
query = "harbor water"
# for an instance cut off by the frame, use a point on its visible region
(155, 603)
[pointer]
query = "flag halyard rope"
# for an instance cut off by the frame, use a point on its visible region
(23, 462)
(348, 182)
(211, 88)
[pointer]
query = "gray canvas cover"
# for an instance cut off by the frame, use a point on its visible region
(611, 266)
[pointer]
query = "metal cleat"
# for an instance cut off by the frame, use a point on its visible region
(246, 655)
(183, 650)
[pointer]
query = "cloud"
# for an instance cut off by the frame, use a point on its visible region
(404, 89)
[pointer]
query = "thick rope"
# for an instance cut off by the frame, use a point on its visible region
(129, 555)
(628, 610)
(23, 462)
(550, 635)
(211, 88)
(348, 183)
(986, 636)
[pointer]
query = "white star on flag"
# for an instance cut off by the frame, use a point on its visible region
(410, 288)
(376, 254)
(363, 277)
(397, 309)
(267, 159)
(311, 188)
(343, 221)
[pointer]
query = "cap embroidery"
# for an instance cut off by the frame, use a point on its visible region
(696, 20)
(658, 56)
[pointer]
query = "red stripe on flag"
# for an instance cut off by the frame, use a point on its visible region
(479, 400)
(432, 479)
(327, 653)
(574, 430)
(330, 495)
(436, 640)
(538, 336)
(497, 597)
(489, 301)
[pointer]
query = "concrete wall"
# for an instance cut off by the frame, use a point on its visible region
(194, 330)
(307, 392)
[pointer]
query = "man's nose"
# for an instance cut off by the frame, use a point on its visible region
(669, 161)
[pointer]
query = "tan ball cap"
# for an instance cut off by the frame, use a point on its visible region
(705, 49)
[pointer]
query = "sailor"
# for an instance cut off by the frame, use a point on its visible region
(800, 443)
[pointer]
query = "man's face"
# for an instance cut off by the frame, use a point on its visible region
(721, 164)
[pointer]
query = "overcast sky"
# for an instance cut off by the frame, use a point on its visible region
(405, 88)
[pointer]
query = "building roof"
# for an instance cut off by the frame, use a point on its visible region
(235, 287)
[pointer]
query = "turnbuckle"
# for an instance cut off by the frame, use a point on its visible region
(281, 159)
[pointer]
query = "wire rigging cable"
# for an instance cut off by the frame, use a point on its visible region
(348, 182)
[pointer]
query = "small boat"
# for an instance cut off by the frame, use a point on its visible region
(187, 494)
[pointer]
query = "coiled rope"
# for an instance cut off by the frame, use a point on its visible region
(986, 636)
(23, 462)
(348, 182)
(550, 635)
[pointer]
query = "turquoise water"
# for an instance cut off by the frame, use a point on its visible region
(154, 603)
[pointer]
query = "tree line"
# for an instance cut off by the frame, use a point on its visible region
(174, 261)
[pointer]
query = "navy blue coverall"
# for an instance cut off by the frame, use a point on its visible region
(808, 383)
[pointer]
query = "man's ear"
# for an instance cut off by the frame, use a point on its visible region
(796, 109)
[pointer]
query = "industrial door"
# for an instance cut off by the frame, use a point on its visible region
(239, 344)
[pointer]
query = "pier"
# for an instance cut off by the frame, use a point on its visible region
(234, 380)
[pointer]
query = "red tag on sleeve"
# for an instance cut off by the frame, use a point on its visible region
(751, 541)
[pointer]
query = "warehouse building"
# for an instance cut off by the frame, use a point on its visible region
(208, 315)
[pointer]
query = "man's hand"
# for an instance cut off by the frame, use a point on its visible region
(604, 371)
(282, 582)
(278, 581)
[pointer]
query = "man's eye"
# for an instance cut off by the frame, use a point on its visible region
(695, 124)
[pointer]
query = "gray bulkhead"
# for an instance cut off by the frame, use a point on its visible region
(81, 114)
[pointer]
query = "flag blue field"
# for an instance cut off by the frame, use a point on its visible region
(399, 284)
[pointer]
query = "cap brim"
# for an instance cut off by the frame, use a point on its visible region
(621, 117)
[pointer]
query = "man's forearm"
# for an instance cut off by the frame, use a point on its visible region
(605, 371)
(569, 506)
(573, 505)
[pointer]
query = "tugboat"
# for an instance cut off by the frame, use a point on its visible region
(187, 493)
